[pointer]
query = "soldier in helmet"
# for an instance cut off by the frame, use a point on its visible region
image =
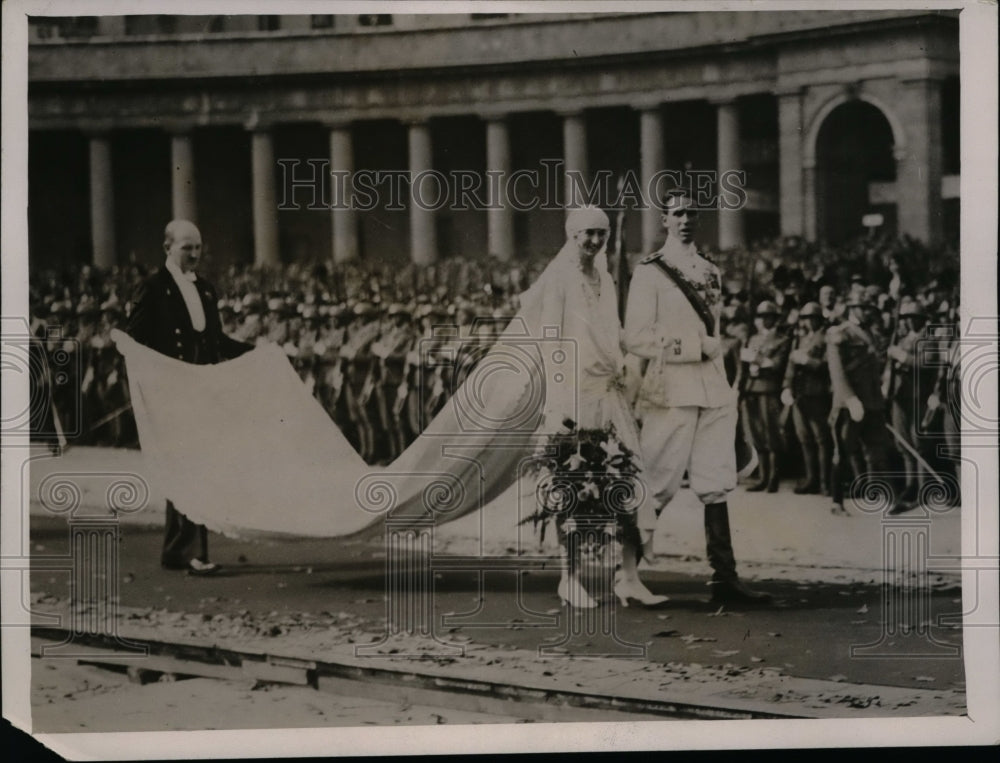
(333, 397)
(857, 415)
(907, 385)
(807, 392)
(391, 349)
(439, 376)
(764, 360)
(359, 374)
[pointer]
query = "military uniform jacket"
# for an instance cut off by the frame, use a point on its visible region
(855, 366)
(356, 350)
(661, 325)
(160, 320)
(912, 382)
(772, 346)
(813, 377)
(392, 348)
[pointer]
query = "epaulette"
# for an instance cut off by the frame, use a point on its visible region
(650, 257)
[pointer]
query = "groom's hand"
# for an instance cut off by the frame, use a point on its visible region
(711, 346)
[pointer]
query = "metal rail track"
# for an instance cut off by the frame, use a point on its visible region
(378, 681)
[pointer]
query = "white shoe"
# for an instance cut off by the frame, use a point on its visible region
(198, 567)
(633, 588)
(573, 594)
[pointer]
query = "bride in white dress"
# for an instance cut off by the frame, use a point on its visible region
(577, 296)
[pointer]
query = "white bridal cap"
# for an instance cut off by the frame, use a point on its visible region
(585, 218)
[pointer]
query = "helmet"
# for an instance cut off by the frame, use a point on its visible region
(810, 309)
(858, 298)
(398, 308)
(909, 309)
(767, 307)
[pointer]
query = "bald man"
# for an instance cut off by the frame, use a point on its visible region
(176, 313)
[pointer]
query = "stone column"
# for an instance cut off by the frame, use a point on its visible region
(265, 202)
(499, 218)
(343, 218)
(574, 153)
(423, 235)
(102, 202)
(651, 161)
(919, 163)
(182, 177)
(790, 168)
(727, 159)
(810, 223)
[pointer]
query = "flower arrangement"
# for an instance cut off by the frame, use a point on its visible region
(586, 482)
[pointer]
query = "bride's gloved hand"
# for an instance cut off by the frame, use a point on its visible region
(633, 378)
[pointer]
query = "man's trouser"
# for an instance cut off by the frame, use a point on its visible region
(700, 441)
(763, 413)
(811, 414)
(871, 437)
(904, 421)
(183, 540)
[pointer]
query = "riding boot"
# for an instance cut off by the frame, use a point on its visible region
(763, 473)
(726, 585)
(772, 481)
(809, 482)
(825, 469)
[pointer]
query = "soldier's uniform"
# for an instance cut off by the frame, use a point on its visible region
(64, 360)
(945, 399)
(764, 360)
(391, 349)
(104, 387)
(686, 404)
(276, 323)
(306, 357)
(44, 418)
(909, 384)
(856, 361)
(359, 379)
(91, 401)
(332, 371)
(807, 385)
(427, 390)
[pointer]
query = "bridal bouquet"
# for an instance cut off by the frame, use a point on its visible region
(587, 487)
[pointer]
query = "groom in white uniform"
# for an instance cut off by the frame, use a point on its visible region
(686, 405)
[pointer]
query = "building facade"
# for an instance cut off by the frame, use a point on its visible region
(237, 122)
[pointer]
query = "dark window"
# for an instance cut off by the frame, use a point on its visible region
(375, 19)
(488, 16)
(78, 26)
(951, 128)
(268, 23)
(150, 24)
(324, 21)
(44, 30)
(216, 24)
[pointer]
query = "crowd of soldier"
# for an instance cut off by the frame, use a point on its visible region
(821, 364)
(857, 383)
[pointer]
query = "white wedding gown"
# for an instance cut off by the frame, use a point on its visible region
(244, 448)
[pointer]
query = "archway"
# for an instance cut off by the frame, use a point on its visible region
(855, 171)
